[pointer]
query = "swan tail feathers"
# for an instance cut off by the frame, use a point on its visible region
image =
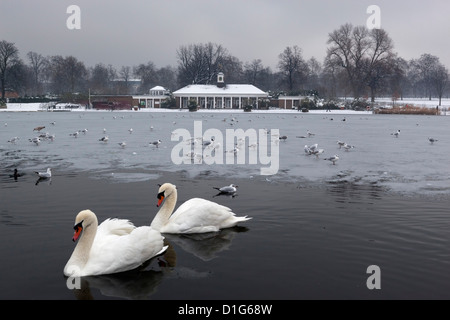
(162, 250)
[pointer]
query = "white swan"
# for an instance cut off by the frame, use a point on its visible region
(115, 245)
(193, 216)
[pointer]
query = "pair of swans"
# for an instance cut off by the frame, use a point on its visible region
(116, 245)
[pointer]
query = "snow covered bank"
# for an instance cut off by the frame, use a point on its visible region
(33, 107)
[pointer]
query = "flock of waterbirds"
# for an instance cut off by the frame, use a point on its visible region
(312, 149)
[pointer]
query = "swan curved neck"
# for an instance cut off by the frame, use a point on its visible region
(163, 215)
(80, 255)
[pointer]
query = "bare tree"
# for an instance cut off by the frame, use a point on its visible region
(9, 55)
(398, 81)
(68, 74)
(167, 77)
(314, 72)
(361, 52)
(100, 78)
(147, 74)
(200, 63)
(423, 69)
(292, 66)
(123, 78)
(252, 71)
(37, 65)
(440, 80)
(256, 74)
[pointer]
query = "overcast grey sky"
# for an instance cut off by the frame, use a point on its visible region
(127, 33)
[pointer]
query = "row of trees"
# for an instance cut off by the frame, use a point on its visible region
(359, 63)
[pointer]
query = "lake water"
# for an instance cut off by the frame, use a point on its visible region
(316, 227)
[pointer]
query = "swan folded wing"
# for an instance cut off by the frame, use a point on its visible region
(115, 226)
(200, 215)
(116, 252)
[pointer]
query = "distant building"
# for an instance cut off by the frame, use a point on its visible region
(128, 102)
(156, 96)
(220, 95)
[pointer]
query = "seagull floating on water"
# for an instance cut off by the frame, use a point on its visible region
(156, 143)
(432, 140)
(340, 143)
(13, 140)
(39, 128)
(44, 174)
(232, 188)
(122, 144)
(104, 139)
(208, 143)
(333, 159)
(35, 140)
(348, 147)
(313, 149)
(396, 134)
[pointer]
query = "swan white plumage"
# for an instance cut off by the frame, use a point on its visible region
(196, 215)
(115, 245)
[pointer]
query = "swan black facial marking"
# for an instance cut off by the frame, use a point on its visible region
(160, 195)
(78, 225)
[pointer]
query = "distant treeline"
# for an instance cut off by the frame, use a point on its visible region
(360, 63)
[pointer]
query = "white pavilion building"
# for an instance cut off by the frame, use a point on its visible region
(220, 96)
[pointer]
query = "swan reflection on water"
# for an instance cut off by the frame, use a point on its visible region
(143, 282)
(205, 246)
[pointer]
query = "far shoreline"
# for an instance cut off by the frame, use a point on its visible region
(37, 107)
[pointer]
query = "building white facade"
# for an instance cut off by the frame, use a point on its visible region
(154, 99)
(220, 95)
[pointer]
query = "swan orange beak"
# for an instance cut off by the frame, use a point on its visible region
(160, 197)
(160, 200)
(78, 228)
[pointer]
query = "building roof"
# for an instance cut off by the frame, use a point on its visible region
(158, 88)
(228, 90)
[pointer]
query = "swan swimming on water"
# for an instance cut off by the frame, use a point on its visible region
(196, 215)
(115, 245)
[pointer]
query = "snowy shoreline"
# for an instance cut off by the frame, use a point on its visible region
(38, 107)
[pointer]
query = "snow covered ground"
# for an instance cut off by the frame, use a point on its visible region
(387, 102)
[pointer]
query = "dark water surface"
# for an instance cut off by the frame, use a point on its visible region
(316, 227)
(302, 243)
